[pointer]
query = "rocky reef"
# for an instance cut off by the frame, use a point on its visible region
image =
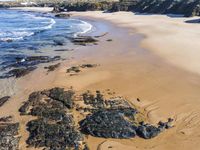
(56, 126)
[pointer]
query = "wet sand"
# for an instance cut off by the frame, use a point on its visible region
(129, 68)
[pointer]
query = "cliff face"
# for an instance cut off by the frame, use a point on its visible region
(186, 7)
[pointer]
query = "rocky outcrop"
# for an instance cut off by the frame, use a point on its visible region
(52, 67)
(55, 127)
(186, 7)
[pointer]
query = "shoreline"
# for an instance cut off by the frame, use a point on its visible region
(130, 70)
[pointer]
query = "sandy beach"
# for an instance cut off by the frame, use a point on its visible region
(151, 57)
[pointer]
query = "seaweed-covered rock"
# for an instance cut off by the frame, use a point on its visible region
(18, 72)
(147, 131)
(64, 96)
(83, 40)
(8, 136)
(56, 136)
(108, 124)
(19, 66)
(95, 101)
(55, 127)
(3, 100)
(52, 67)
(74, 69)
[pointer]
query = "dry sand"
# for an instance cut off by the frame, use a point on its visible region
(160, 69)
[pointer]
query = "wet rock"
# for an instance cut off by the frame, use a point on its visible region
(59, 42)
(108, 124)
(8, 136)
(52, 67)
(147, 131)
(66, 97)
(19, 66)
(63, 50)
(3, 100)
(18, 72)
(6, 119)
(55, 127)
(83, 40)
(74, 69)
(88, 65)
(55, 136)
(96, 101)
(63, 15)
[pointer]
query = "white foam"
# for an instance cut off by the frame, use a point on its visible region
(85, 27)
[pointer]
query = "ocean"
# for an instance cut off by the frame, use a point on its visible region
(23, 33)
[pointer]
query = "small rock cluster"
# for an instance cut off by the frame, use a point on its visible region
(9, 139)
(55, 128)
(22, 65)
(77, 69)
(52, 67)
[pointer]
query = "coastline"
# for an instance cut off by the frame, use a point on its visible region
(130, 70)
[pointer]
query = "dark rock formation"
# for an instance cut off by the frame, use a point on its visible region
(52, 67)
(83, 40)
(18, 72)
(74, 69)
(66, 97)
(108, 124)
(22, 65)
(55, 128)
(8, 136)
(77, 69)
(3, 100)
(147, 131)
(63, 15)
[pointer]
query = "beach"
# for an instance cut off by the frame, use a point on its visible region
(151, 57)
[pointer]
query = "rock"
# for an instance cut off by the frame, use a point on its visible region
(8, 136)
(63, 50)
(88, 65)
(63, 15)
(59, 42)
(83, 40)
(66, 97)
(3, 100)
(74, 69)
(6, 119)
(147, 131)
(108, 124)
(54, 127)
(22, 65)
(52, 67)
(109, 40)
(18, 72)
